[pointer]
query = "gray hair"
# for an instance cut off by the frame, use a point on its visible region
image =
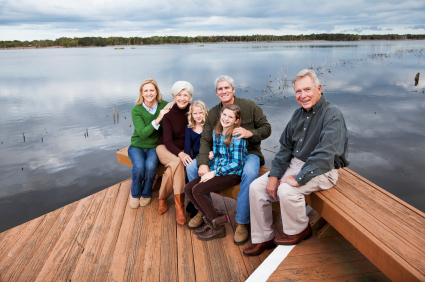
(310, 73)
(224, 78)
(182, 85)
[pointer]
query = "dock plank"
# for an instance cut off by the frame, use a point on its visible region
(91, 251)
(169, 244)
(18, 244)
(324, 271)
(152, 258)
(12, 268)
(33, 267)
(123, 245)
(201, 256)
(133, 268)
(62, 261)
(186, 267)
(388, 211)
(233, 254)
(101, 268)
(251, 262)
(11, 236)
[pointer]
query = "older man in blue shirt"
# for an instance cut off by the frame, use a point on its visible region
(313, 146)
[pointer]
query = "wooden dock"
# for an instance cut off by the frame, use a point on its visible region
(99, 238)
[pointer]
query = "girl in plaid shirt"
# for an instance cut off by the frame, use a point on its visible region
(227, 160)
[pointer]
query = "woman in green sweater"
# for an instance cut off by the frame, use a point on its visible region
(147, 117)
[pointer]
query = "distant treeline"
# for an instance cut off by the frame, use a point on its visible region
(100, 41)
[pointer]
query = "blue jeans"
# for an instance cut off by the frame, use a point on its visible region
(249, 174)
(145, 162)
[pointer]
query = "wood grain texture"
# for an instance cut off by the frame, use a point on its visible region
(12, 267)
(19, 243)
(11, 236)
(324, 271)
(386, 260)
(169, 245)
(134, 265)
(33, 267)
(186, 266)
(62, 260)
(152, 255)
(101, 267)
(387, 211)
(251, 262)
(123, 245)
(233, 254)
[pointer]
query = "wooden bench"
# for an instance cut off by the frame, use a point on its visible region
(388, 231)
(231, 192)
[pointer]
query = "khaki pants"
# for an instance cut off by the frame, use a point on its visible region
(174, 176)
(292, 203)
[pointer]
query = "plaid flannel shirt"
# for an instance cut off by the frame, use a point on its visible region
(230, 160)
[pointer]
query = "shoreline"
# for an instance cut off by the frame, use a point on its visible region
(207, 43)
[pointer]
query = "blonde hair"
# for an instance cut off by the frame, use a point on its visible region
(219, 128)
(200, 104)
(139, 100)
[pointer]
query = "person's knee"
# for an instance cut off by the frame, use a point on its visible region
(139, 169)
(255, 188)
(288, 193)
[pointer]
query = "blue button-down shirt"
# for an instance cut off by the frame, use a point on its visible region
(152, 111)
(228, 160)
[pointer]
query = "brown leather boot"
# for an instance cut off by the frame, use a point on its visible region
(162, 206)
(204, 227)
(215, 228)
(179, 203)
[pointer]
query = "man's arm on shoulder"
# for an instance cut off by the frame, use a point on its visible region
(332, 144)
(263, 129)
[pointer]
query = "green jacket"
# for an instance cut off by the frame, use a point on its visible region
(145, 135)
(252, 119)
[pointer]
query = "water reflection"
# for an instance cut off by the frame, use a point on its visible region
(58, 94)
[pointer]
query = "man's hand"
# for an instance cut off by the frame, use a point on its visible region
(185, 158)
(203, 169)
(290, 179)
(272, 186)
(242, 132)
(207, 176)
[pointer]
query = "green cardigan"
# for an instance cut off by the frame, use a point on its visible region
(145, 135)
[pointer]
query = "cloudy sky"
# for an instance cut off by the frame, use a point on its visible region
(50, 19)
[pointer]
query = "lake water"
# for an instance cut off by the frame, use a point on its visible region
(54, 95)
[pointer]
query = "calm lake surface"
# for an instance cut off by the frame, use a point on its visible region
(54, 95)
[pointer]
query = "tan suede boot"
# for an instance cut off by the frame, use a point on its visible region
(196, 221)
(241, 234)
(162, 206)
(134, 203)
(215, 228)
(179, 203)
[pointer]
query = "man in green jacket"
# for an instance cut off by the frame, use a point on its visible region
(254, 128)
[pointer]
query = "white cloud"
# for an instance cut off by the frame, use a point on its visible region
(25, 19)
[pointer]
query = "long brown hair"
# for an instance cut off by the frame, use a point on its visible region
(219, 128)
(139, 100)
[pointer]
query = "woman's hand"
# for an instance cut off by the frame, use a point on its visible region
(207, 176)
(161, 115)
(211, 155)
(169, 105)
(185, 158)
